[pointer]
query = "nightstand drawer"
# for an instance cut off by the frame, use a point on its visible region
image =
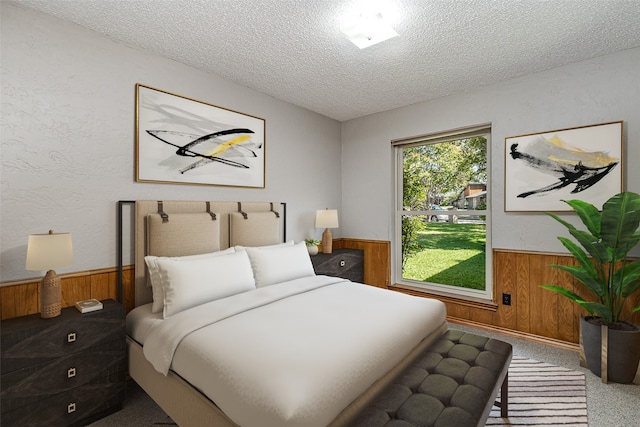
(28, 385)
(345, 263)
(79, 405)
(30, 340)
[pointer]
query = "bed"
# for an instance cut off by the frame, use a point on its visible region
(233, 328)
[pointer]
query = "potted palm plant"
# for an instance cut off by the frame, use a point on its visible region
(605, 272)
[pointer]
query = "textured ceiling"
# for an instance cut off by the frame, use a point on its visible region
(293, 49)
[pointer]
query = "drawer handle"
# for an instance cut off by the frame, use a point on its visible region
(71, 408)
(342, 263)
(71, 372)
(71, 337)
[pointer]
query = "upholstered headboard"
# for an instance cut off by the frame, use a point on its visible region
(178, 228)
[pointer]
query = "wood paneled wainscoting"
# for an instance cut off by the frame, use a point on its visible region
(533, 312)
(19, 298)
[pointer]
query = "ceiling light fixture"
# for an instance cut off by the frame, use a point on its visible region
(368, 29)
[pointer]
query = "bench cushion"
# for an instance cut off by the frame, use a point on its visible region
(453, 383)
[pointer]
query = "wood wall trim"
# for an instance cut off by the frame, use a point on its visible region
(446, 298)
(520, 335)
(522, 251)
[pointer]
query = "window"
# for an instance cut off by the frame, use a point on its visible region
(442, 215)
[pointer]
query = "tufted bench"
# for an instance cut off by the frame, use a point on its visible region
(454, 383)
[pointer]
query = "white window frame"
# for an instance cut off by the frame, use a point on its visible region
(436, 288)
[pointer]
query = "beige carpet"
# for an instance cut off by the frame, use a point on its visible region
(541, 394)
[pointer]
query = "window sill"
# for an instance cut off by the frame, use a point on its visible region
(446, 297)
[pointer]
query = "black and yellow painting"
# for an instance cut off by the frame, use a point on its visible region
(542, 169)
(180, 140)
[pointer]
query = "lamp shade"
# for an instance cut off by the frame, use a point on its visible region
(49, 251)
(327, 218)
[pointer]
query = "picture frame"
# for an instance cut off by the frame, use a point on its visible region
(181, 140)
(543, 169)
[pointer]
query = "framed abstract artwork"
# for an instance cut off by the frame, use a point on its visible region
(180, 140)
(543, 169)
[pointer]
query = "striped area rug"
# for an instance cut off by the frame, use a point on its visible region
(541, 394)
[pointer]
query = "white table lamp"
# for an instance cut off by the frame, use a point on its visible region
(327, 219)
(44, 253)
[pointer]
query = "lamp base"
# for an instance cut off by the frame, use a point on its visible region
(50, 296)
(327, 242)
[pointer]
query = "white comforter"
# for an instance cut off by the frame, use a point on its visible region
(295, 353)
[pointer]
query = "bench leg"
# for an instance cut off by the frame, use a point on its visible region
(504, 397)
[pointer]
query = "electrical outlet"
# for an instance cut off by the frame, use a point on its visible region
(506, 299)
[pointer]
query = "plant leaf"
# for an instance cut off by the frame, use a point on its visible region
(561, 221)
(588, 241)
(630, 288)
(572, 296)
(592, 245)
(588, 213)
(631, 243)
(600, 310)
(593, 284)
(564, 292)
(580, 256)
(619, 223)
(629, 282)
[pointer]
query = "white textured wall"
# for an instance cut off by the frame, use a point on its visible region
(596, 91)
(68, 100)
(68, 140)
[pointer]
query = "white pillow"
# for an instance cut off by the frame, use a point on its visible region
(156, 281)
(280, 264)
(191, 282)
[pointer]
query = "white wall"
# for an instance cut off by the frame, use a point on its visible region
(68, 98)
(68, 124)
(596, 91)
